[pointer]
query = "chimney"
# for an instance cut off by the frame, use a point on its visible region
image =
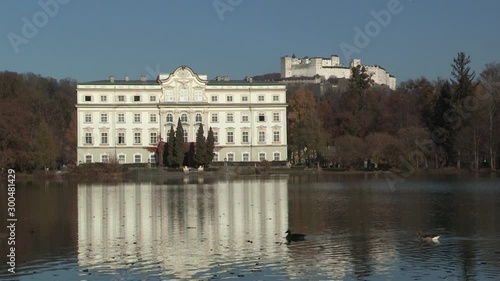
(111, 79)
(143, 78)
(126, 78)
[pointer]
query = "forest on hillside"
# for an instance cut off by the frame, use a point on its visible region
(38, 121)
(452, 122)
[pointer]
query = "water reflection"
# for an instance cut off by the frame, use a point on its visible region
(190, 228)
(181, 231)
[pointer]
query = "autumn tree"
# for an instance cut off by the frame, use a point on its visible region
(307, 137)
(44, 147)
(490, 81)
(201, 154)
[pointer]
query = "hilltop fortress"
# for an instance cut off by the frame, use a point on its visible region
(331, 68)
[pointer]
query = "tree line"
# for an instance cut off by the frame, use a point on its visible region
(173, 153)
(428, 124)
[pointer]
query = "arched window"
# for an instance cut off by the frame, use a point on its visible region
(170, 118)
(184, 117)
(198, 118)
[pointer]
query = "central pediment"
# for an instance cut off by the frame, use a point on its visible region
(183, 85)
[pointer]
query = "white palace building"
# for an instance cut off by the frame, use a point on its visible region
(332, 68)
(126, 119)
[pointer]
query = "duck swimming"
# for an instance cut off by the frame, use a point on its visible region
(428, 237)
(295, 236)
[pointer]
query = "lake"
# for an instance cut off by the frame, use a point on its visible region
(358, 227)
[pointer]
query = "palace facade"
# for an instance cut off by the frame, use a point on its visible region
(126, 119)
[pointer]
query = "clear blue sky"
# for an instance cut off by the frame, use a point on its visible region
(92, 39)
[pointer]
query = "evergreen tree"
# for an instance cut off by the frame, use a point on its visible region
(210, 146)
(179, 147)
(359, 83)
(440, 123)
(462, 78)
(201, 153)
(44, 148)
(168, 153)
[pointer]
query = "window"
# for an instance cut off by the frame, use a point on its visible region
(104, 158)
(198, 96)
(121, 138)
(276, 98)
(229, 117)
(104, 98)
(137, 118)
(88, 117)
(276, 156)
(137, 158)
(214, 99)
(244, 137)
(152, 158)
(261, 98)
(170, 118)
(216, 157)
(246, 157)
(169, 95)
(198, 118)
(216, 137)
(104, 138)
(276, 136)
(121, 117)
(262, 156)
(262, 136)
(262, 117)
(215, 118)
(244, 117)
(137, 138)
(244, 98)
(104, 118)
(88, 98)
(184, 117)
(121, 158)
(121, 98)
(88, 158)
(183, 95)
(88, 138)
(230, 137)
(229, 98)
(137, 98)
(152, 98)
(230, 157)
(152, 138)
(276, 116)
(152, 118)
(185, 136)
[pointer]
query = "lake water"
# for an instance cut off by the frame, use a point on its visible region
(357, 227)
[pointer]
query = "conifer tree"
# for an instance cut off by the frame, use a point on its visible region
(210, 146)
(168, 152)
(201, 154)
(179, 149)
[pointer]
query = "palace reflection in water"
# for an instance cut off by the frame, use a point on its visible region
(183, 229)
